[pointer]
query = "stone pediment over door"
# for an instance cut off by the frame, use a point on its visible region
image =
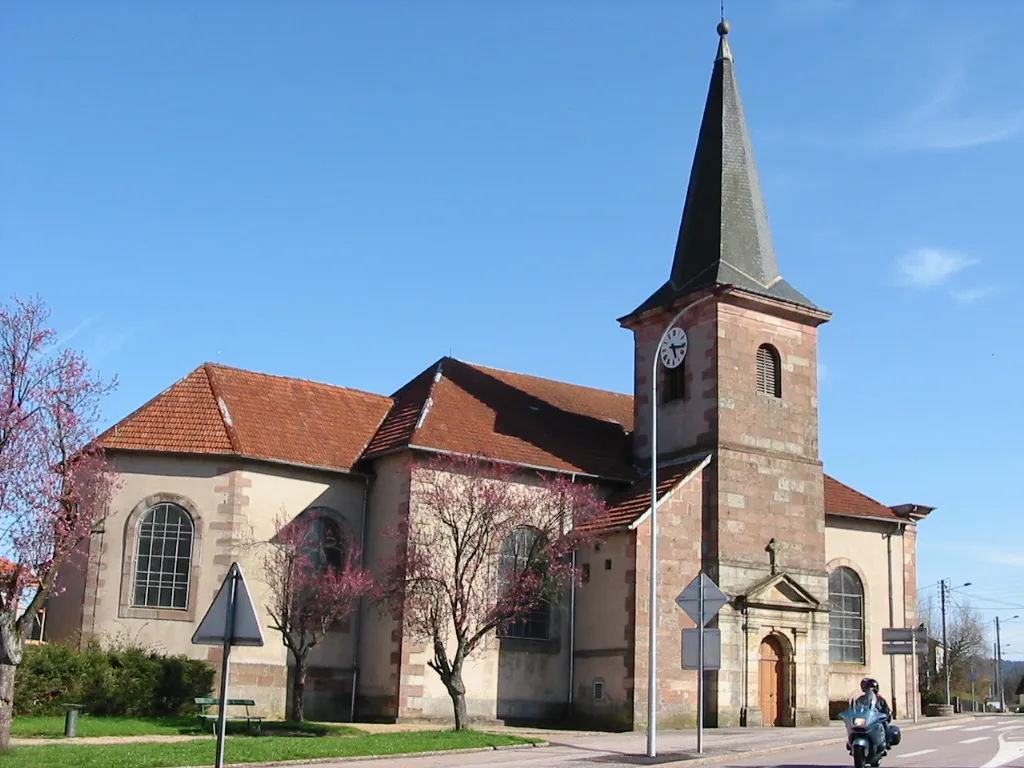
(780, 592)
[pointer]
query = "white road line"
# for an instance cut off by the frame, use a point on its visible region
(918, 753)
(975, 740)
(1008, 752)
(945, 728)
(980, 728)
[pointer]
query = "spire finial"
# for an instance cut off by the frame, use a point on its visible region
(723, 44)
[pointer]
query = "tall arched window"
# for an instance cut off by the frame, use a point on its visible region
(846, 617)
(769, 370)
(519, 552)
(163, 558)
(326, 541)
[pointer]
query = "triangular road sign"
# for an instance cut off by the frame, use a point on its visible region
(244, 629)
(689, 599)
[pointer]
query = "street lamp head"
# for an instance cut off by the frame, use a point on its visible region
(965, 584)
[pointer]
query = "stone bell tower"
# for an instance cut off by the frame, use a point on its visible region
(747, 394)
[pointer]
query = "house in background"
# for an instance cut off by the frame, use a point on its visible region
(814, 569)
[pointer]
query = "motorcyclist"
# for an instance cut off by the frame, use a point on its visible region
(870, 686)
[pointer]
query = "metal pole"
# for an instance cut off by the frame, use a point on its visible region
(913, 676)
(229, 634)
(700, 667)
(999, 667)
(945, 646)
(652, 640)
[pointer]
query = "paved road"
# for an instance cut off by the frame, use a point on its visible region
(983, 743)
(988, 742)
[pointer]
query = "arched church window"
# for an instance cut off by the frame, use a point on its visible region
(326, 544)
(769, 370)
(519, 554)
(846, 617)
(164, 558)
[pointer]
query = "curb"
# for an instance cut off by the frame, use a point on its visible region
(721, 758)
(394, 756)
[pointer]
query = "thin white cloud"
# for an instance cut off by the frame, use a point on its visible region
(928, 267)
(106, 345)
(971, 295)
(946, 119)
(982, 553)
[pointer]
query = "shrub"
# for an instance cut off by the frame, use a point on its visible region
(108, 682)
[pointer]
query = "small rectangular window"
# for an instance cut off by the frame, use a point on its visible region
(598, 691)
(586, 573)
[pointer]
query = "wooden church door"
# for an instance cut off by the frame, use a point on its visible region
(771, 681)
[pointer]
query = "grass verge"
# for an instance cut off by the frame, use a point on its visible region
(53, 727)
(247, 750)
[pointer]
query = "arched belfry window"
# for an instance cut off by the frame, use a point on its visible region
(163, 562)
(846, 616)
(769, 370)
(519, 553)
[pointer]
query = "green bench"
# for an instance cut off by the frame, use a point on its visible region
(249, 718)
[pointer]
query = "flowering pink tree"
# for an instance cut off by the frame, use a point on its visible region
(314, 579)
(482, 550)
(54, 481)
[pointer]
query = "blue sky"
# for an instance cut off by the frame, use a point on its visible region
(347, 191)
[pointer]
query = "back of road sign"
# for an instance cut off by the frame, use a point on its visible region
(213, 629)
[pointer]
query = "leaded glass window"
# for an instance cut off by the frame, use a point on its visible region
(846, 617)
(518, 552)
(163, 561)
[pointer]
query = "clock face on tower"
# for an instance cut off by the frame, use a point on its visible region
(673, 348)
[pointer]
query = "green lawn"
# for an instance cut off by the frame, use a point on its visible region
(243, 749)
(53, 727)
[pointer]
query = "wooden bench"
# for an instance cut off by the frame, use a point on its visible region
(248, 717)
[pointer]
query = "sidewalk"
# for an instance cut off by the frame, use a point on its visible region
(566, 749)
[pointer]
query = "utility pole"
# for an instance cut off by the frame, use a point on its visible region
(945, 647)
(999, 668)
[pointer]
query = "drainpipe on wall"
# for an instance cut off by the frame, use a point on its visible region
(572, 626)
(359, 608)
(892, 621)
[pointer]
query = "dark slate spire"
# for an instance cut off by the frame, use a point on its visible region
(724, 236)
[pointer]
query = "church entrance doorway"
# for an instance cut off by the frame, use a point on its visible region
(773, 678)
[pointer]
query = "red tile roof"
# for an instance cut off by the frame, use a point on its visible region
(227, 411)
(624, 508)
(463, 408)
(452, 406)
(843, 500)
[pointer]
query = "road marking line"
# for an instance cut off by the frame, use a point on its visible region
(916, 754)
(1008, 753)
(975, 740)
(980, 728)
(1009, 728)
(945, 728)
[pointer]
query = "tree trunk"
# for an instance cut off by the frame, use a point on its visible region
(457, 690)
(7, 672)
(298, 689)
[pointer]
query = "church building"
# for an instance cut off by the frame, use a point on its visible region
(813, 570)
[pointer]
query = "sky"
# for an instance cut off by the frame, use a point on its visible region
(346, 192)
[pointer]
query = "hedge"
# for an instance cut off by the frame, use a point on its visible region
(108, 682)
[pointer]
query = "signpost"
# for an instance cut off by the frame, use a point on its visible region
(231, 620)
(701, 601)
(906, 641)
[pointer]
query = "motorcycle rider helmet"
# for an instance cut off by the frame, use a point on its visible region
(869, 684)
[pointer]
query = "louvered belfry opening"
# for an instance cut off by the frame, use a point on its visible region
(769, 373)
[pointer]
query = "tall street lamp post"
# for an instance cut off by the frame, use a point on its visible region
(672, 355)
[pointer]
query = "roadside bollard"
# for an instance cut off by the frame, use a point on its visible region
(71, 720)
